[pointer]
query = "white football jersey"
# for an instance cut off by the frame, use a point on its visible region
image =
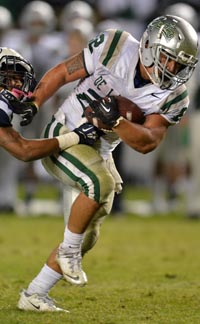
(111, 61)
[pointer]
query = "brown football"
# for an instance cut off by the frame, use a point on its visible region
(127, 109)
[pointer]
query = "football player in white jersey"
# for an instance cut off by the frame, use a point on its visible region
(17, 80)
(152, 73)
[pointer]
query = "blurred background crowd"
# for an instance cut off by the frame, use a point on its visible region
(46, 32)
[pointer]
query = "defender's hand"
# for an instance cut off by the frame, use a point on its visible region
(106, 110)
(26, 108)
(87, 133)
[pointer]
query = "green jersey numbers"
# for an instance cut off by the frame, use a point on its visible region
(96, 42)
(176, 105)
(85, 99)
(178, 117)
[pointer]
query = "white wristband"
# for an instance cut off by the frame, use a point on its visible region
(67, 140)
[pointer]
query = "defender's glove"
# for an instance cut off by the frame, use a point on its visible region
(84, 134)
(26, 108)
(29, 110)
(106, 110)
(87, 133)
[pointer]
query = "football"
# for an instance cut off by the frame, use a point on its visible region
(127, 109)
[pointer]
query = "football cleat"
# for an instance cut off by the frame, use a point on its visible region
(37, 303)
(70, 264)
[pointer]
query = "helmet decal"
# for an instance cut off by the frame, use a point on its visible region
(168, 30)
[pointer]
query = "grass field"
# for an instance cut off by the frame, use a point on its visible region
(143, 270)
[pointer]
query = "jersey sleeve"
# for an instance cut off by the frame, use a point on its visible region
(4, 119)
(103, 49)
(175, 105)
(5, 114)
(93, 51)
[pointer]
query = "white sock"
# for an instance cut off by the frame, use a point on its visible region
(44, 281)
(71, 240)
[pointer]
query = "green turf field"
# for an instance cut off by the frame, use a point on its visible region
(143, 270)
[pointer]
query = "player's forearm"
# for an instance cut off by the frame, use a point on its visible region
(29, 150)
(67, 71)
(49, 84)
(32, 150)
(38, 149)
(139, 138)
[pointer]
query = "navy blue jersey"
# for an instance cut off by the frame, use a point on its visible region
(6, 113)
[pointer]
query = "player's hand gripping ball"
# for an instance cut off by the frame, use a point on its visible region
(105, 112)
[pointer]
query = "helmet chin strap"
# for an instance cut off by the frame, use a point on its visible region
(149, 75)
